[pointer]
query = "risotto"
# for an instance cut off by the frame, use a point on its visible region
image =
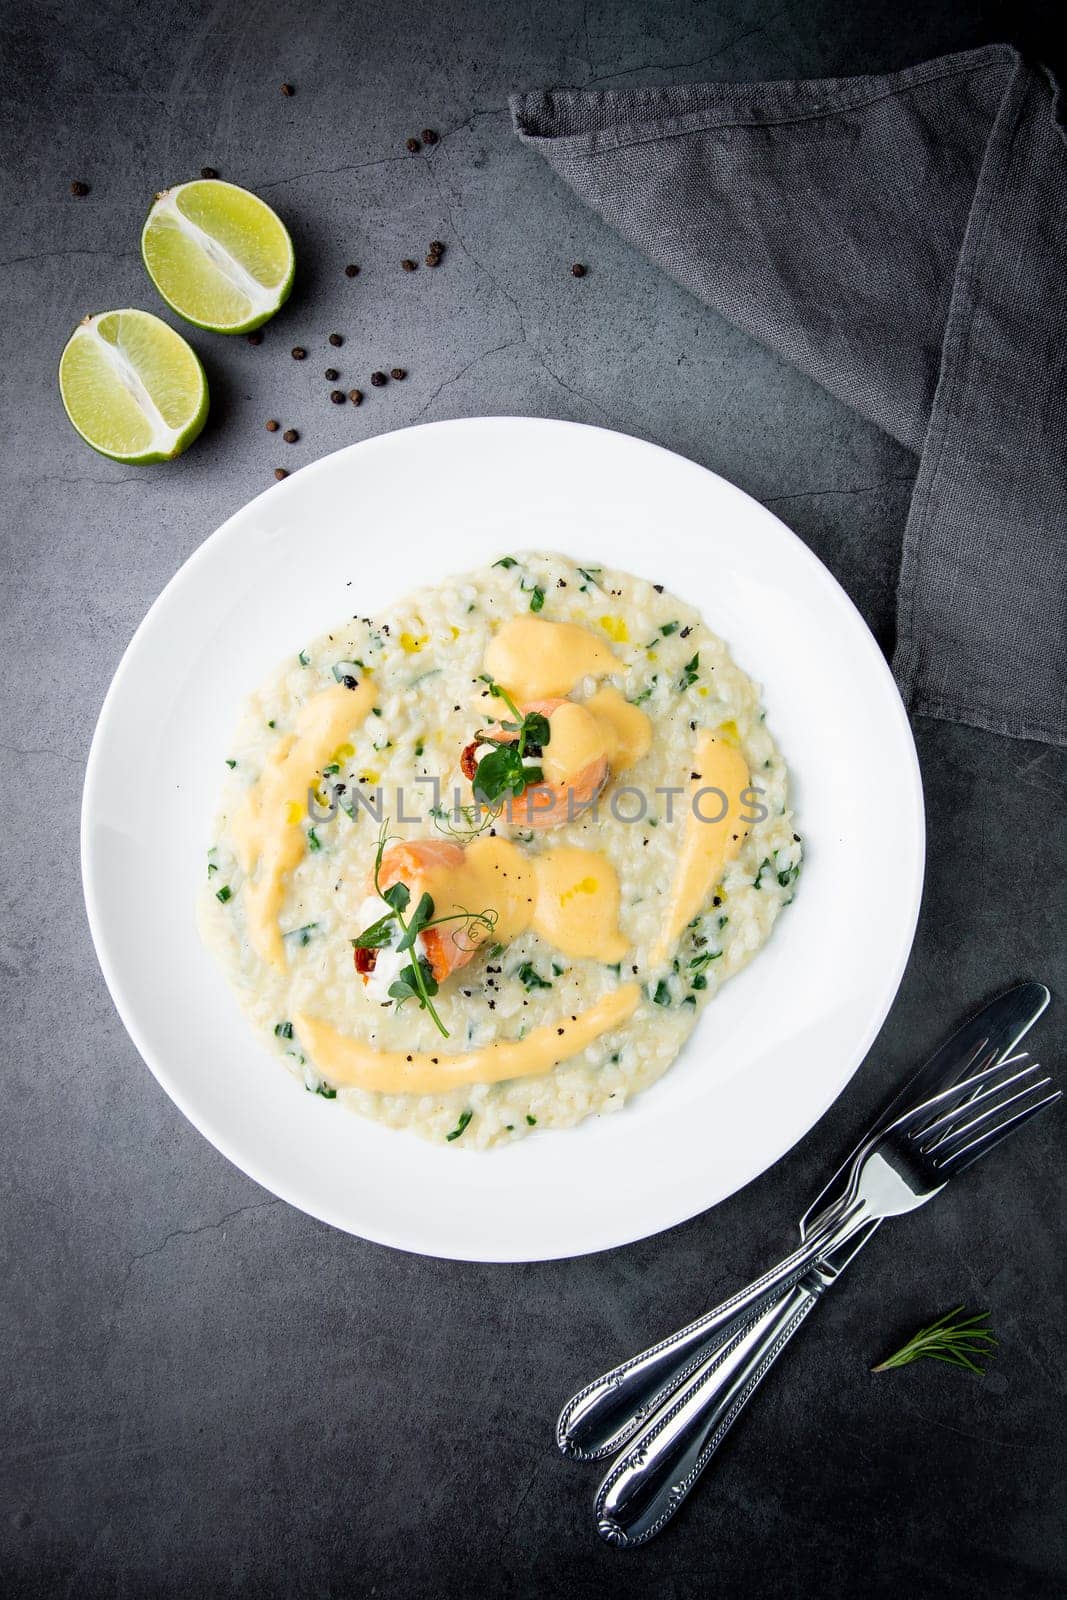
(480, 862)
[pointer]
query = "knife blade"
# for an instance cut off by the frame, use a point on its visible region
(999, 1026)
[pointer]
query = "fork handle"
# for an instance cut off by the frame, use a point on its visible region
(653, 1476)
(600, 1418)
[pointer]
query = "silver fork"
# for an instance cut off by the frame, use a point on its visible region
(909, 1163)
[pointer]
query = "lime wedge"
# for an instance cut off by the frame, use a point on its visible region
(132, 387)
(218, 255)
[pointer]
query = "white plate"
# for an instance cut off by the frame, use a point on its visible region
(772, 1051)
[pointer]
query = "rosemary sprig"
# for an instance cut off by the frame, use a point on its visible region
(952, 1338)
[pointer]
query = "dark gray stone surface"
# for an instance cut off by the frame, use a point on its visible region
(204, 1392)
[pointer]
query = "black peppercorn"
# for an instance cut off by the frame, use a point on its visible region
(298, 352)
(409, 265)
(413, 145)
(79, 190)
(255, 337)
(287, 90)
(336, 340)
(337, 396)
(437, 247)
(290, 436)
(351, 271)
(208, 172)
(399, 373)
(280, 473)
(377, 378)
(356, 396)
(429, 136)
(578, 270)
(272, 426)
(331, 374)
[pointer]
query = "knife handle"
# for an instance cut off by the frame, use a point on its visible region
(599, 1419)
(655, 1473)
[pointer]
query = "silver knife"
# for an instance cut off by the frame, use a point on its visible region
(600, 1418)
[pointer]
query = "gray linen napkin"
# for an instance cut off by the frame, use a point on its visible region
(901, 239)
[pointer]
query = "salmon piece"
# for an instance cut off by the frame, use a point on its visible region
(547, 805)
(411, 861)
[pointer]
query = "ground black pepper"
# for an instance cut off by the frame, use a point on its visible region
(356, 396)
(578, 270)
(290, 436)
(271, 426)
(378, 378)
(409, 265)
(208, 172)
(399, 373)
(336, 339)
(298, 352)
(331, 374)
(337, 396)
(349, 682)
(280, 473)
(79, 190)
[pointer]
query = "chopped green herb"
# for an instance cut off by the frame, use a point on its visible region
(329, 771)
(271, 723)
(224, 894)
(537, 598)
(230, 763)
(662, 995)
(531, 1120)
(314, 842)
(530, 978)
(506, 562)
(690, 1000)
(303, 658)
(375, 711)
(643, 696)
(557, 969)
(690, 672)
(283, 1030)
(589, 574)
(667, 628)
(301, 936)
(494, 951)
(326, 1092)
(419, 748)
(759, 872)
(212, 868)
(464, 1119)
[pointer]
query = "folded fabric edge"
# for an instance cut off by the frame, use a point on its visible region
(988, 721)
(576, 122)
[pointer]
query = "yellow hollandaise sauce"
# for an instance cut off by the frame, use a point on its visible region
(534, 659)
(350, 1063)
(267, 830)
(606, 731)
(568, 895)
(709, 841)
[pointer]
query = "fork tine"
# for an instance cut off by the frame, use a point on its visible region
(912, 1120)
(949, 1123)
(958, 1133)
(960, 1160)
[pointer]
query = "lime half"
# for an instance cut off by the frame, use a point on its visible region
(132, 387)
(218, 255)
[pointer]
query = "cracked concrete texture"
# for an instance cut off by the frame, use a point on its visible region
(205, 1392)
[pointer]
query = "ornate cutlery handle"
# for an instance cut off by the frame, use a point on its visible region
(652, 1477)
(599, 1419)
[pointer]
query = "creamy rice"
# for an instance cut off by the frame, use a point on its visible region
(426, 659)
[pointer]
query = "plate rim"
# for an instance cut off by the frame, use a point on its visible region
(878, 1009)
